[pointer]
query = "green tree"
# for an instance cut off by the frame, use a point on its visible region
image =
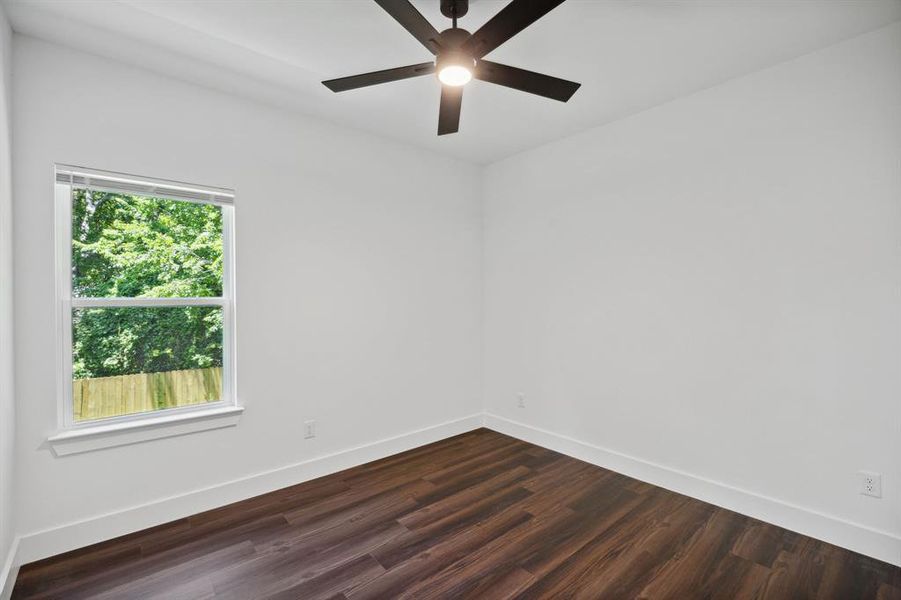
(135, 246)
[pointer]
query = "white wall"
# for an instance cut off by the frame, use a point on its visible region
(358, 278)
(713, 286)
(7, 402)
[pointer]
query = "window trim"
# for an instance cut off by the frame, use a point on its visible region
(68, 429)
(109, 435)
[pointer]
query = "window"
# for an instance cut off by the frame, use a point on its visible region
(145, 290)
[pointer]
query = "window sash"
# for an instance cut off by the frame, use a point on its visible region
(147, 302)
(64, 182)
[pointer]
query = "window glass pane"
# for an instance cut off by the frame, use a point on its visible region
(139, 359)
(135, 246)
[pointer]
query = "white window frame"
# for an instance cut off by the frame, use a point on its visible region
(80, 436)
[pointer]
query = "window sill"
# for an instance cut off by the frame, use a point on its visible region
(76, 441)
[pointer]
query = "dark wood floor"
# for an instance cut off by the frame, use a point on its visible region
(480, 515)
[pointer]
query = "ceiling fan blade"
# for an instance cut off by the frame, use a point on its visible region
(526, 81)
(449, 112)
(512, 19)
(343, 84)
(413, 21)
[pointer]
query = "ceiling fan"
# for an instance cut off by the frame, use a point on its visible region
(458, 55)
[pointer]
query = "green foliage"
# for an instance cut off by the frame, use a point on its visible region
(133, 246)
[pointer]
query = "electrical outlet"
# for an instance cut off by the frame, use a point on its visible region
(871, 484)
(521, 400)
(309, 429)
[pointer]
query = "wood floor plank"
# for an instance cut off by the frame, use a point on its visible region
(419, 540)
(479, 515)
(735, 578)
(360, 570)
(704, 552)
(759, 542)
(463, 499)
(293, 567)
(888, 592)
(421, 567)
(620, 561)
(467, 570)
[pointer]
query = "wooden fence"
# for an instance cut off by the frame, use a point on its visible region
(143, 392)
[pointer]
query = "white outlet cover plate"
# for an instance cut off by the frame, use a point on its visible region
(871, 484)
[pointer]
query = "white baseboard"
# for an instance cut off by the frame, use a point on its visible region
(853, 536)
(50, 542)
(9, 571)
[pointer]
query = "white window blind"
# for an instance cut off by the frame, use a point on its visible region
(105, 181)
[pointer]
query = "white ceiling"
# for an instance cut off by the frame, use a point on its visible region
(629, 55)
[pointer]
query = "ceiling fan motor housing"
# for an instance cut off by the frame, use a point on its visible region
(450, 39)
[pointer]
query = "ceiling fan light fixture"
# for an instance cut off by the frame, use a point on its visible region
(455, 75)
(455, 69)
(460, 55)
